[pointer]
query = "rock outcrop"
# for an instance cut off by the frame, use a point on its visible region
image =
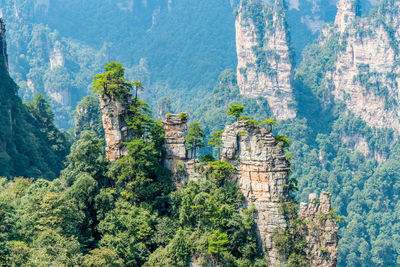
(262, 175)
(115, 114)
(365, 77)
(346, 13)
(320, 230)
(264, 56)
(176, 160)
(3, 45)
(175, 126)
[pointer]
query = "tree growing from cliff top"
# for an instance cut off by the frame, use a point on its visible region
(235, 110)
(195, 138)
(270, 122)
(113, 81)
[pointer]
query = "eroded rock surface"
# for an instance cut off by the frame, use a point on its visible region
(264, 57)
(176, 160)
(262, 175)
(115, 114)
(365, 77)
(320, 230)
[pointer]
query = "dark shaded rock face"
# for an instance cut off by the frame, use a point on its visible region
(3, 45)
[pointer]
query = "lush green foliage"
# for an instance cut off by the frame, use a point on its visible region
(113, 82)
(88, 116)
(195, 138)
(31, 145)
(235, 110)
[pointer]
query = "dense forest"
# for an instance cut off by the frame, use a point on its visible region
(82, 210)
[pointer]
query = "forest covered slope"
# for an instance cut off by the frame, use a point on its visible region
(31, 145)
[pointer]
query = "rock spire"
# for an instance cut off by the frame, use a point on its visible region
(262, 173)
(346, 13)
(320, 230)
(264, 55)
(115, 112)
(365, 74)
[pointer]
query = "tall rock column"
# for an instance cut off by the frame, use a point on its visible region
(320, 230)
(175, 126)
(264, 56)
(365, 76)
(262, 175)
(347, 12)
(115, 114)
(3, 45)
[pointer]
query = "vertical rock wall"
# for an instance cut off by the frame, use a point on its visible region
(365, 77)
(262, 175)
(3, 45)
(264, 58)
(346, 14)
(320, 230)
(115, 114)
(182, 168)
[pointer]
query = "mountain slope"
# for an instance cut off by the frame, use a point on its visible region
(30, 145)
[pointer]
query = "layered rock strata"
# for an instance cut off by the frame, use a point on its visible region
(3, 45)
(115, 112)
(175, 127)
(365, 76)
(320, 230)
(176, 160)
(262, 175)
(264, 58)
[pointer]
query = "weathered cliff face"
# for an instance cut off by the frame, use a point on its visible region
(174, 128)
(115, 114)
(264, 58)
(176, 160)
(347, 12)
(262, 175)
(320, 230)
(365, 76)
(3, 45)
